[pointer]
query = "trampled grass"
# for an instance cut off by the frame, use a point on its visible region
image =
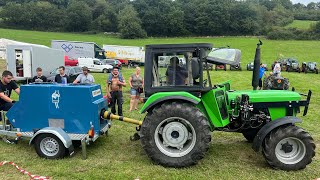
(301, 24)
(229, 157)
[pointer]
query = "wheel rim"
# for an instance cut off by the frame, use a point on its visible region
(290, 150)
(175, 137)
(49, 146)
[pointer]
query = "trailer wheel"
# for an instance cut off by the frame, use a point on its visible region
(288, 148)
(49, 146)
(175, 134)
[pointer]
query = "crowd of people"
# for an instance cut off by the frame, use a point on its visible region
(115, 82)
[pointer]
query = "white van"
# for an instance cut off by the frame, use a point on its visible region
(94, 65)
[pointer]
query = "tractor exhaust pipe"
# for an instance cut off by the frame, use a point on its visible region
(256, 67)
(109, 115)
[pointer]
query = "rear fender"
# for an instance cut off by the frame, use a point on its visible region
(168, 96)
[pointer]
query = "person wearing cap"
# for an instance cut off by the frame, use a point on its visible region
(85, 77)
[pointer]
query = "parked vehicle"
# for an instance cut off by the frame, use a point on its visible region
(70, 62)
(71, 71)
(128, 55)
(288, 64)
(310, 66)
(32, 56)
(112, 62)
(94, 65)
(291, 64)
(235, 67)
(180, 116)
(210, 66)
(250, 66)
(76, 49)
(220, 67)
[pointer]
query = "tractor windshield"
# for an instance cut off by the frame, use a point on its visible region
(175, 69)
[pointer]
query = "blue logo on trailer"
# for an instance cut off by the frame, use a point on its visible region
(66, 48)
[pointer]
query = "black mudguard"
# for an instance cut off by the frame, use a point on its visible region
(266, 129)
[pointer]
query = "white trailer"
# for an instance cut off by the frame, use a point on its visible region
(76, 49)
(31, 57)
(131, 54)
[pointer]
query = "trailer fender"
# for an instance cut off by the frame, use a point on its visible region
(159, 98)
(265, 130)
(58, 132)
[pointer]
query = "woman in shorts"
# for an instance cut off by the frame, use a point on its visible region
(136, 84)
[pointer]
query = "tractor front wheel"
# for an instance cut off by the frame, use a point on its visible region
(49, 146)
(288, 148)
(175, 134)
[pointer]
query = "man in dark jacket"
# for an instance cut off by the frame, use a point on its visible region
(39, 78)
(62, 78)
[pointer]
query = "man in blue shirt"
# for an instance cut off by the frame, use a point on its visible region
(261, 74)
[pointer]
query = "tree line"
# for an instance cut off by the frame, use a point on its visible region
(160, 18)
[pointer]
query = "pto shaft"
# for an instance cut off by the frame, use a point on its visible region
(109, 115)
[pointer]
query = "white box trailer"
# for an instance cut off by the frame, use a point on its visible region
(132, 54)
(76, 49)
(32, 57)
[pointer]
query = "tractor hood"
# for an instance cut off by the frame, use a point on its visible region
(267, 95)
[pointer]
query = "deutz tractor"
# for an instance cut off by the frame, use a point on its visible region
(183, 108)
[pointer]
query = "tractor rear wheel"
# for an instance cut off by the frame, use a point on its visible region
(288, 148)
(49, 146)
(175, 134)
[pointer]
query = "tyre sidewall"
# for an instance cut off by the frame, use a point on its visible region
(61, 152)
(199, 124)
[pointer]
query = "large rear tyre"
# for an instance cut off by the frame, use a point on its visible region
(175, 134)
(288, 148)
(49, 146)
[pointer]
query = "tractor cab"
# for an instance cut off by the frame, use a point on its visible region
(181, 67)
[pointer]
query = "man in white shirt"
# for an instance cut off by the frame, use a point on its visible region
(85, 77)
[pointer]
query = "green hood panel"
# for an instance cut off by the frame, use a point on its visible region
(158, 97)
(267, 95)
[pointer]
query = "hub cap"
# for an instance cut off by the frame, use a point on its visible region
(175, 137)
(290, 150)
(49, 146)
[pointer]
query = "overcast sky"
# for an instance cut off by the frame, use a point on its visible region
(304, 1)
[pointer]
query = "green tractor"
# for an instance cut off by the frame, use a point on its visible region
(183, 108)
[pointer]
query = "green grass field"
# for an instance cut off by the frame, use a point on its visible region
(116, 157)
(301, 24)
